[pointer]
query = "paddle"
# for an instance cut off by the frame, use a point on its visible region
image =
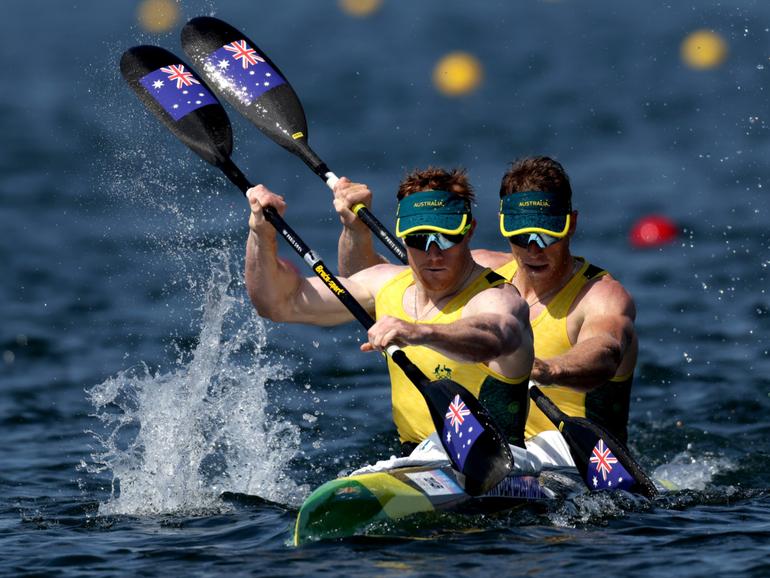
(184, 104)
(603, 461)
(245, 77)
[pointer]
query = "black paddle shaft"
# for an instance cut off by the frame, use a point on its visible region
(271, 105)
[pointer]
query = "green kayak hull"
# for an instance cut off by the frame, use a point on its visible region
(350, 505)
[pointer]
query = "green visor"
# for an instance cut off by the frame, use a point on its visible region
(534, 212)
(438, 211)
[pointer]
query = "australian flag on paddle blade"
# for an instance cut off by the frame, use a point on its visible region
(177, 90)
(461, 430)
(605, 472)
(238, 69)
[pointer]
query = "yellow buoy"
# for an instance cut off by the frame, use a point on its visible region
(158, 15)
(359, 7)
(704, 49)
(457, 73)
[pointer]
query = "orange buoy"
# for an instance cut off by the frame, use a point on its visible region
(652, 231)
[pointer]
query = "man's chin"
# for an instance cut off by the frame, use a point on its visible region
(435, 279)
(536, 269)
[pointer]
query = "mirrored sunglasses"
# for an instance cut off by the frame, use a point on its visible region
(444, 241)
(540, 239)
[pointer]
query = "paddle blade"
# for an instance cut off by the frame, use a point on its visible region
(602, 460)
(473, 442)
(245, 77)
(180, 99)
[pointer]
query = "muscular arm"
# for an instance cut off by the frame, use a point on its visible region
(494, 329)
(275, 287)
(605, 343)
(355, 248)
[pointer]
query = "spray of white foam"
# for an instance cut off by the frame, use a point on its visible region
(685, 472)
(595, 507)
(689, 472)
(174, 441)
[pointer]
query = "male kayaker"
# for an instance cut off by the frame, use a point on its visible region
(582, 318)
(452, 317)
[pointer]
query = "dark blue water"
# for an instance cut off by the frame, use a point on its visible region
(138, 385)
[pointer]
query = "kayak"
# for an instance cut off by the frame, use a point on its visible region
(359, 504)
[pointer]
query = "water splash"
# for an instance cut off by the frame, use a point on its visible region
(686, 480)
(174, 441)
(595, 508)
(688, 472)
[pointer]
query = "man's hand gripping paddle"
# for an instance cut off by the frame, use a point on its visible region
(186, 106)
(244, 76)
(603, 462)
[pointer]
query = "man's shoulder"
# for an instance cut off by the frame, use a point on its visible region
(605, 293)
(491, 259)
(502, 297)
(376, 276)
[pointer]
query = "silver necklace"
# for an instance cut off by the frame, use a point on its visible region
(433, 305)
(557, 288)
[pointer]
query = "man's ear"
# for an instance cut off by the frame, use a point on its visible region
(473, 228)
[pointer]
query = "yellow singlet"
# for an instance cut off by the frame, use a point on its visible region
(606, 405)
(506, 399)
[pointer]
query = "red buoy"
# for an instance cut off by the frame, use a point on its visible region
(652, 231)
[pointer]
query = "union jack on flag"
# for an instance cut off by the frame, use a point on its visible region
(243, 52)
(603, 459)
(177, 90)
(457, 412)
(182, 76)
(606, 472)
(461, 430)
(240, 71)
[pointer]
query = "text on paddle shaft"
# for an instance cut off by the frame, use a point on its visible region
(323, 274)
(298, 247)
